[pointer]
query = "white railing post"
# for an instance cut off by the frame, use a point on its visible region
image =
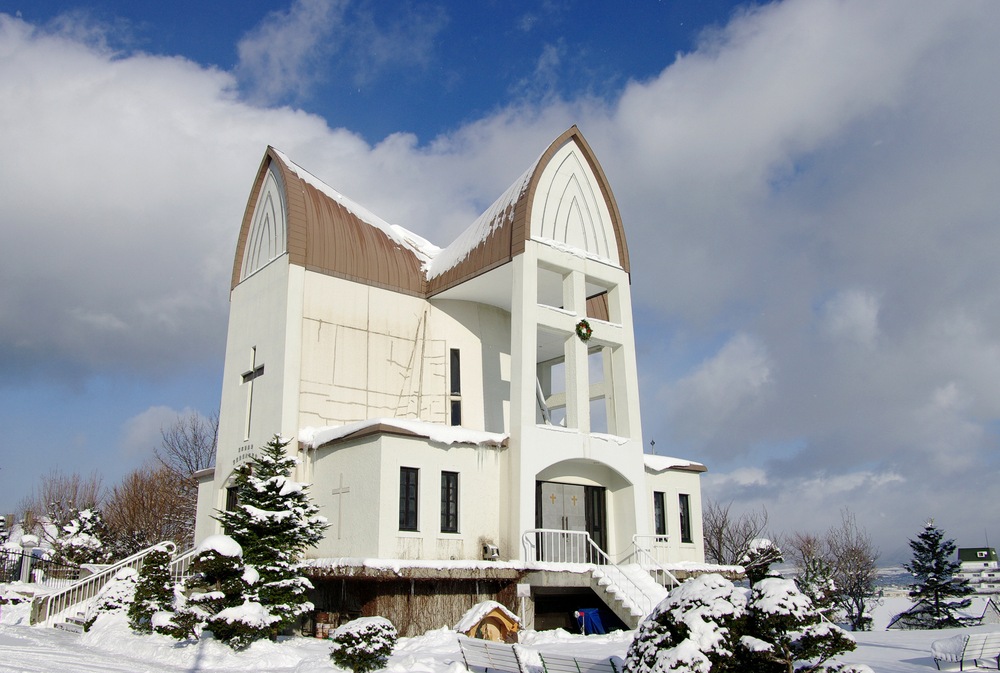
(546, 545)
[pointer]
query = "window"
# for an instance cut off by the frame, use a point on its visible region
(408, 498)
(232, 498)
(685, 506)
(659, 513)
(455, 387)
(449, 502)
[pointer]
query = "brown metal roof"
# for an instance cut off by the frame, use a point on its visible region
(328, 237)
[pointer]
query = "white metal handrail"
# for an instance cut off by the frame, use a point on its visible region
(47, 608)
(649, 563)
(547, 545)
(180, 565)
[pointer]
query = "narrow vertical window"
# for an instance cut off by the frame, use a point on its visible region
(232, 498)
(685, 507)
(408, 498)
(455, 387)
(659, 513)
(449, 502)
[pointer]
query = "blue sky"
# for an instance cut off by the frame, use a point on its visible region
(808, 189)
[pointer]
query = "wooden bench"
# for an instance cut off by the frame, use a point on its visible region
(489, 655)
(560, 663)
(982, 649)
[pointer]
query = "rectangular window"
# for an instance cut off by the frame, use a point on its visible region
(685, 507)
(449, 502)
(456, 372)
(408, 498)
(455, 367)
(659, 513)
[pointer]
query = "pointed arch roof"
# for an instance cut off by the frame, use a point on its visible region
(330, 234)
(501, 232)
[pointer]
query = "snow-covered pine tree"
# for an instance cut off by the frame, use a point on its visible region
(217, 598)
(708, 624)
(274, 522)
(154, 591)
(933, 568)
(81, 539)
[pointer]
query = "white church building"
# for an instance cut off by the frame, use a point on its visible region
(467, 413)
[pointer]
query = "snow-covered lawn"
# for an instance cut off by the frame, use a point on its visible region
(111, 648)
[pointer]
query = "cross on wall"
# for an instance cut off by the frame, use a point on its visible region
(248, 377)
(339, 492)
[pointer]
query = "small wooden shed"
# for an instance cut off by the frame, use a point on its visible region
(490, 620)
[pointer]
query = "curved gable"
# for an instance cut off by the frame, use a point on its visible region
(291, 211)
(563, 198)
(570, 202)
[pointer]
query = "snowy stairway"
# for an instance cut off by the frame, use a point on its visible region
(73, 623)
(628, 590)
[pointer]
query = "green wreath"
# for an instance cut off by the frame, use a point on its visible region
(583, 330)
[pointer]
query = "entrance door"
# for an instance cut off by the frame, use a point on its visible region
(569, 507)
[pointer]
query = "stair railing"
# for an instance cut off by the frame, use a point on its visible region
(645, 558)
(546, 545)
(45, 609)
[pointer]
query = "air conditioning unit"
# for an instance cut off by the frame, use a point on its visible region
(491, 552)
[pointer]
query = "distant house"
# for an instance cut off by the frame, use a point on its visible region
(980, 568)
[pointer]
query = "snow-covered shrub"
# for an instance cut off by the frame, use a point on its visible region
(708, 625)
(695, 628)
(363, 644)
(760, 556)
(217, 598)
(81, 539)
(115, 597)
(274, 522)
(783, 618)
(154, 591)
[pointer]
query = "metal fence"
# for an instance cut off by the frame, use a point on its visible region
(19, 566)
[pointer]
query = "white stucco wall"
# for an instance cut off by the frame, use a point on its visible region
(672, 483)
(369, 521)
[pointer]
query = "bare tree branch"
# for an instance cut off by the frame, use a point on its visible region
(728, 538)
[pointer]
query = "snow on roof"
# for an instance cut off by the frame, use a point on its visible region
(442, 434)
(661, 463)
(480, 610)
(481, 229)
(421, 247)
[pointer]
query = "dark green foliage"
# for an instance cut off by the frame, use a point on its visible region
(153, 593)
(708, 624)
(275, 522)
(364, 644)
(81, 539)
(760, 556)
(709, 603)
(933, 568)
(217, 584)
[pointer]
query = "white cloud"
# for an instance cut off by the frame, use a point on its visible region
(852, 315)
(723, 389)
(809, 150)
(140, 434)
(283, 54)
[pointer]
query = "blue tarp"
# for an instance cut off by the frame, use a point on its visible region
(589, 620)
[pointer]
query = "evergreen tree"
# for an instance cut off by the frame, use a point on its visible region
(933, 567)
(154, 591)
(217, 598)
(708, 624)
(274, 522)
(81, 539)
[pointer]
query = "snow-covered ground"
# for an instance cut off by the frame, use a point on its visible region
(111, 648)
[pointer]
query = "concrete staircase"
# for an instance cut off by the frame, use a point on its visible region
(74, 623)
(628, 590)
